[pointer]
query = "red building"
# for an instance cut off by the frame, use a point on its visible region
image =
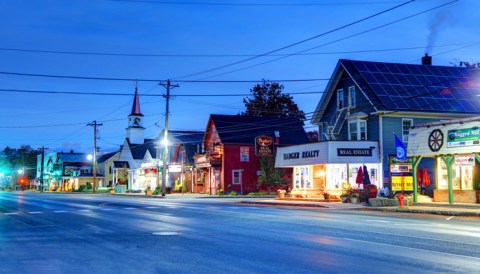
(229, 161)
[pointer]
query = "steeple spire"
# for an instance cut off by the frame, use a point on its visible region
(136, 104)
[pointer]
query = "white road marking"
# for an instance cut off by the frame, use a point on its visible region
(11, 213)
(151, 207)
(449, 218)
(60, 211)
(379, 221)
(107, 209)
(129, 208)
(84, 210)
(35, 212)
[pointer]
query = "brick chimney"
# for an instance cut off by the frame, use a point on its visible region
(427, 60)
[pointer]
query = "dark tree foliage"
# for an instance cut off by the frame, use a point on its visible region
(313, 136)
(12, 159)
(269, 100)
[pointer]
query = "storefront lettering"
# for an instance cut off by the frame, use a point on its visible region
(303, 154)
(354, 152)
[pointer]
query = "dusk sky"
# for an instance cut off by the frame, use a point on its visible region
(211, 40)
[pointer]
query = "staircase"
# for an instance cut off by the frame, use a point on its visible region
(334, 130)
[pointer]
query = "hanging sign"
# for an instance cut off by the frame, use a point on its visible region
(464, 160)
(464, 137)
(264, 146)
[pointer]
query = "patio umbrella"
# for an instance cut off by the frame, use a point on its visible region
(419, 176)
(366, 177)
(426, 179)
(359, 178)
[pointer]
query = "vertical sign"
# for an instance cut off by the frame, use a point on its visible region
(264, 146)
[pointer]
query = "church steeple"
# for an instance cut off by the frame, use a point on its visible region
(136, 104)
(135, 130)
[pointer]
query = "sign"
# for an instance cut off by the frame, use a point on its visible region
(174, 168)
(464, 160)
(463, 137)
(303, 154)
(354, 152)
(264, 146)
(150, 171)
(402, 183)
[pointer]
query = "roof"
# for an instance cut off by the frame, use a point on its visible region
(105, 157)
(136, 104)
(192, 137)
(139, 150)
(410, 87)
(120, 164)
(243, 129)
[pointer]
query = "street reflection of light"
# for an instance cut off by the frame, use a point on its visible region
(324, 240)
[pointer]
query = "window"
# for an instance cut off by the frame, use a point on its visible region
(352, 128)
(244, 154)
(352, 101)
(110, 170)
(357, 130)
(302, 177)
(236, 177)
(340, 99)
(406, 125)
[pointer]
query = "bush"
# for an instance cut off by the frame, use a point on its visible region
(156, 191)
(233, 193)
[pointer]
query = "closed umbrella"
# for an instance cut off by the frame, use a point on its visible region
(419, 176)
(359, 178)
(366, 177)
(426, 179)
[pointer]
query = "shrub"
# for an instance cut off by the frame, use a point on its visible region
(233, 193)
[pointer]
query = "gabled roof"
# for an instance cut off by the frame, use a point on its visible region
(105, 157)
(409, 87)
(139, 150)
(242, 129)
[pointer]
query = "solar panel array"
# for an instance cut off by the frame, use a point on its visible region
(419, 87)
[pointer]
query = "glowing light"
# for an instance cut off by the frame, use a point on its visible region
(89, 157)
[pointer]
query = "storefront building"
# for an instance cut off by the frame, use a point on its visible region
(330, 166)
(455, 146)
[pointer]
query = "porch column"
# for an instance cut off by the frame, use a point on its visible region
(415, 161)
(449, 160)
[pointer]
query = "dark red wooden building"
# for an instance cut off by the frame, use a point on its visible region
(229, 161)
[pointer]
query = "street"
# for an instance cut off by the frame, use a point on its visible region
(82, 233)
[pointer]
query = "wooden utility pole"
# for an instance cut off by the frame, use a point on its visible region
(42, 168)
(165, 136)
(95, 125)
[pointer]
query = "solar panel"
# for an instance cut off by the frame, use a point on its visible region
(417, 87)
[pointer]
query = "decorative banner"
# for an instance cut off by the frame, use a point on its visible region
(402, 183)
(464, 137)
(464, 160)
(264, 146)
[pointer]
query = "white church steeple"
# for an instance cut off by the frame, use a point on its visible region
(135, 130)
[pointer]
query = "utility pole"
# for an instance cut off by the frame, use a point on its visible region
(95, 125)
(165, 136)
(42, 167)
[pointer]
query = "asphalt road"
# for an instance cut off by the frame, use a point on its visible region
(81, 233)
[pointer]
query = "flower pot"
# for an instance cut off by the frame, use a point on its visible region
(148, 192)
(281, 195)
(344, 199)
(111, 191)
(354, 200)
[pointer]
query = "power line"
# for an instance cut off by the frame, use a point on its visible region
(299, 42)
(256, 4)
(215, 55)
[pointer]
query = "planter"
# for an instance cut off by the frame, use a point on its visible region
(354, 200)
(344, 199)
(281, 195)
(148, 193)
(111, 191)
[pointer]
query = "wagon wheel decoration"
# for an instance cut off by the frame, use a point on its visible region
(435, 140)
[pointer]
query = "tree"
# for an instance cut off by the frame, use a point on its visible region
(313, 136)
(271, 177)
(269, 100)
(25, 158)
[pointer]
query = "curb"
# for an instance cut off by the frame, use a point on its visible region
(424, 211)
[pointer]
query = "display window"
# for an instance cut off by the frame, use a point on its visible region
(302, 177)
(462, 177)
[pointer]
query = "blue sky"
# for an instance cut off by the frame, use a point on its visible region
(223, 32)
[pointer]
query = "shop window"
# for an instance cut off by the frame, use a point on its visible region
(462, 177)
(340, 99)
(244, 152)
(302, 177)
(352, 101)
(406, 125)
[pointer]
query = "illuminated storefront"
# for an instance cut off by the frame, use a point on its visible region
(329, 166)
(455, 146)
